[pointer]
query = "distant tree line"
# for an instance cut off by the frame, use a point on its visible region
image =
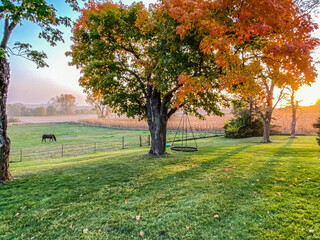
(19, 110)
(63, 104)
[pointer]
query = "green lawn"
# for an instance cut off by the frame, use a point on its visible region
(25, 136)
(229, 189)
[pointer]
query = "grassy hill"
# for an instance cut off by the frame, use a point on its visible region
(229, 189)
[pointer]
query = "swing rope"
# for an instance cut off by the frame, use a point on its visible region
(184, 136)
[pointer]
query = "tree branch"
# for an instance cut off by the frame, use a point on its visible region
(139, 80)
(279, 98)
(167, 97)
(173, 110)
(131, 51)
(8, 28)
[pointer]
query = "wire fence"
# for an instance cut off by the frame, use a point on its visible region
(68, 150)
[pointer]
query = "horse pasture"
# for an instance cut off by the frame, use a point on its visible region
(229, 189)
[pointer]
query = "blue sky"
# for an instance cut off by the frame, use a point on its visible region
(35, 86)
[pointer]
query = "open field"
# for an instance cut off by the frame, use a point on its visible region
(229, 189)
(306, 116)
(75, 139)
(66, 133)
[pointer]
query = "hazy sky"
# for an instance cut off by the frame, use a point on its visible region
(33, 86)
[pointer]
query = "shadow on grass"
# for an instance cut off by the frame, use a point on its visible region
(96, 193)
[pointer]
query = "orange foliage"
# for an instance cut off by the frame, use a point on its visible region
(276, 33)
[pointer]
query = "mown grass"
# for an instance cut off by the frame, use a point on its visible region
(25, 136)
(229, 189)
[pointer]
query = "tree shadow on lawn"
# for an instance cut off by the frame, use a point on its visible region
(96, 195)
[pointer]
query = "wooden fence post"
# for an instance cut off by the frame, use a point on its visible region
(20, 154)
(140, 138)
(122, 142)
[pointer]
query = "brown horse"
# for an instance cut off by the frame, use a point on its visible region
(50, 136)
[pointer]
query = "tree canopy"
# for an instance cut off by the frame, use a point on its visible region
(39, 12)
(178, 53)
(124, 50)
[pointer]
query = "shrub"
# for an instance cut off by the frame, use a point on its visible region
(13, 120)
(244, 125)
(317, 126)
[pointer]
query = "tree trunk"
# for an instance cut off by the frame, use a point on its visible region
(157, 114)
(158, 130)
(4, 140)
(267, 118)
(294, 106)
(266, 130)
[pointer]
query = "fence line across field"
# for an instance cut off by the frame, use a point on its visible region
(67, 150)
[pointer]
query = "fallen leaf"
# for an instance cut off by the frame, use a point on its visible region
(155, 211)
(141, 233)
(85, 230)
(311, 231)
(254, 192)
(260, 165)
(187, 228)
(209, 179)
(298, 166)
(70, 226)
(291, 186)
(137, 218)
(309, 178)
(17, 214)
(216, 216)
(226, 169)
(279, 193)
(100, 231)
(282, 179)
(126, 201)
(228, 177)
(258, 180)
(244, 177)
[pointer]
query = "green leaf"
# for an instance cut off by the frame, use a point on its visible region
(2, 52)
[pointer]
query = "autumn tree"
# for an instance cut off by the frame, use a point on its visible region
(260, 45)
(65, 103)
(141, 66)
(39, 111)
(51, 110)
(96, 101)
(12, 14)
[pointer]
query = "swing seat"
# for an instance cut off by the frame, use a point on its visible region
(184, 149)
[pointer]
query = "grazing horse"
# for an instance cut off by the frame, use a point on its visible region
(50, 136)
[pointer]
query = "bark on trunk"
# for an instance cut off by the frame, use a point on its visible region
(158, 130)
(4, 140)
(157, 113)
(266, 130)
(294, 117)
(267, 117)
